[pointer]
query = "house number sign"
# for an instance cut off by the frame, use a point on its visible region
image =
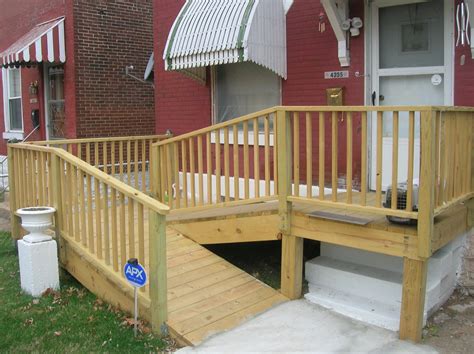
(341, 74)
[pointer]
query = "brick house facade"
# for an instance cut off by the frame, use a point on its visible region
(101, 39)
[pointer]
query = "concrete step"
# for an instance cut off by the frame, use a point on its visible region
(386, 315)
(363, 281)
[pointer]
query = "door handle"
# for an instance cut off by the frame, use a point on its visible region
(374, 96)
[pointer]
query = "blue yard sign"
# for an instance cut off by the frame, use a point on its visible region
(135, 273)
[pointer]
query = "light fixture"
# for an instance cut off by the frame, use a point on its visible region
(352, 25)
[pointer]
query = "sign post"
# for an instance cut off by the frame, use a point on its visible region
(135, 274)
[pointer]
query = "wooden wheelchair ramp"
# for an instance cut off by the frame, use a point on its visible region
(207, 294)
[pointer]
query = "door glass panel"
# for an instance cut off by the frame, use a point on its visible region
(56, 110)
(412, 35)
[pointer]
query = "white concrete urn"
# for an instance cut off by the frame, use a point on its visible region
(36, 220)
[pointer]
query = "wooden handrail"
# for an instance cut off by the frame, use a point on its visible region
(99, 140)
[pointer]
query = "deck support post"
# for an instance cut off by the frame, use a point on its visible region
(15, 220)
(158, 273)
(292, 246)
(413, 299)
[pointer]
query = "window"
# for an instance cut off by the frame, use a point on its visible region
(12, 102)
(243, 88)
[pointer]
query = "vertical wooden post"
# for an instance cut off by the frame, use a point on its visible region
(56, 171)
(158, 276)
(427, 183)
(15, 220)
(292, 247)
(155, 180)
(413, 299)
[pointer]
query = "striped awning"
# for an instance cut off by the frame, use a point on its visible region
(43, 43)
(214, 32)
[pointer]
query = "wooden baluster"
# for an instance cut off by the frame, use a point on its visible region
(266, 129)
(256, 163)
(131, 227)
(121, 160)
(143, 163)
(104, 157)
(363, 159)
(334, 161)
(41, 178)
(113, 211)
(69, 191)
(90, 219)
(98, 219)
(141, 233)
(378, 168)
(209, 168)
(192, 171)
(162, 171)
(135, 164)
(75, 203)
(322, 152)
(349, 158)
(246, 161)
(218, 166)
(200, 171)
(169, 174)
(123, 231)
(226, 164)
(106, 223)
(82, 211)
(79, 151)
(411, 156)
(235, 150)
(176, 174)
(442, 161)
(69, 148)
(32, 178)
(296, 153)
(88, 153)
(129, 162)
(309, 156)
(394, 160)
(96, 155)
(184, 163)
(437, 146)
(112, 158)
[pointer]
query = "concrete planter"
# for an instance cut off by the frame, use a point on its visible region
(36, 220)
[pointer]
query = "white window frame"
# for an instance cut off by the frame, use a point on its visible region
(240, 134)
(9, 133)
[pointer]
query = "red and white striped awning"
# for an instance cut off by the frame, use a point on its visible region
(43, 43)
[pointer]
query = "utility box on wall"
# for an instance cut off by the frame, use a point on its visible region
(335, 96)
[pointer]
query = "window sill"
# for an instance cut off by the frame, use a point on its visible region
(13, 135)
(240, 138)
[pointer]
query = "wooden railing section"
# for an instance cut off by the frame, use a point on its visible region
(126, 158)
(226, 163)
(96, 213)
(454, 157)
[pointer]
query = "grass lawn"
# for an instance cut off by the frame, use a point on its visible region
(69, 320)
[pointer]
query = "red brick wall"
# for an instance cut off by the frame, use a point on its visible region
(110, 35)
(181, 104)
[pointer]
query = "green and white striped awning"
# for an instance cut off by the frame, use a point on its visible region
(215, 32)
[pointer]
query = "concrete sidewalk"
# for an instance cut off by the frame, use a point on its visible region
(300, 326)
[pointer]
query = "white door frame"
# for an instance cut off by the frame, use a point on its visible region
(46, 83)
(374, 73)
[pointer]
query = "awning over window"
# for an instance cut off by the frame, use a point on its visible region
(214, 32)
(44, 42)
